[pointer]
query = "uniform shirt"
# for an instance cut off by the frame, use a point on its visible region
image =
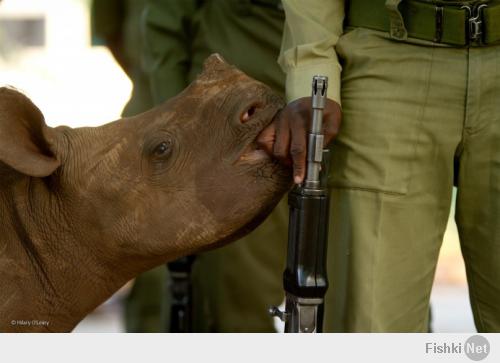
(312, 29)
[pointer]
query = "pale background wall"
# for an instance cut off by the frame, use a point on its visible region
(74, 84)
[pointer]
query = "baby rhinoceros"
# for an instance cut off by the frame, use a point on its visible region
(84, 210)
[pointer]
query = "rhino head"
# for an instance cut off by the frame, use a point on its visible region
(84, 210)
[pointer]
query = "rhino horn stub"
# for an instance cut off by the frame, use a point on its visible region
(215, 67)
(215, 62)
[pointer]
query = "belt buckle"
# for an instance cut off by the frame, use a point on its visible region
(474, 23)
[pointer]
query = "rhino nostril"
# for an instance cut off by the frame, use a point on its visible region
(248, 114)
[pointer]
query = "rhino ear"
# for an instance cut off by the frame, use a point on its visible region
(23, 136)
(215, 67)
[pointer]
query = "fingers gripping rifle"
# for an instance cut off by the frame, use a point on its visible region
(305, 279)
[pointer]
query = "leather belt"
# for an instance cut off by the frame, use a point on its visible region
(456, 23)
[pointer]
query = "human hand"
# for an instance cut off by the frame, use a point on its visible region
(286, 137)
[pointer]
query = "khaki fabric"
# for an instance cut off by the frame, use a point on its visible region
(416, 118)
(234, 285)
(312, 28)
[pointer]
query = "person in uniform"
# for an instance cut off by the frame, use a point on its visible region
(419, 84)
(116, 25)
(234, 286)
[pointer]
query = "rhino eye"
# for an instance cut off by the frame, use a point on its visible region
(163, 149)
(245, 117)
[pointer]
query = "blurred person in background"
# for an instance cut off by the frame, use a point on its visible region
(234, 286)
(116, 24)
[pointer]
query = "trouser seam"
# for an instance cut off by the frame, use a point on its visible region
(421, 117)
(466, 133)
(419, 121)
(369, 190)
(416, 147)
(374, 262)
(466, 128)
(463, 137)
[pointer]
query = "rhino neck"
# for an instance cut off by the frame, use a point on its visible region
(49, 272)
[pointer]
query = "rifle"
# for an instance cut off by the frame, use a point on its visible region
(305, 278)
(181, 294)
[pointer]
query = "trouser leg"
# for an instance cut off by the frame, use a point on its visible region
(232, 286)
(145, 306)
(235, 285)
(478, 199)
(392, 177)
(166, 55)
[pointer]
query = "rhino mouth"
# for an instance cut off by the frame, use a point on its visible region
(253, 153)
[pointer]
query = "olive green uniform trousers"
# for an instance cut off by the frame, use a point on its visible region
(417, 118)
(234, 285)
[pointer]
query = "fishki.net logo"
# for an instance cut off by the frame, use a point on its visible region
(475, 348)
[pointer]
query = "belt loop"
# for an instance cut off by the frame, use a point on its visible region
(398, 30)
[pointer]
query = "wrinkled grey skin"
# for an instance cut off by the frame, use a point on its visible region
(82, 211)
